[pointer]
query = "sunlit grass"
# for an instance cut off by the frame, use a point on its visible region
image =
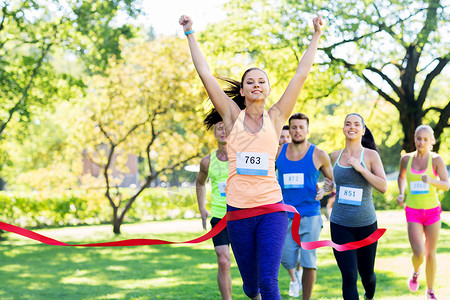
(29, 270)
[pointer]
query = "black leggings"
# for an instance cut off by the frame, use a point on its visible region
(351, 262)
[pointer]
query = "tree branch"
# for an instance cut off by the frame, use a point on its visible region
(427, 83)
(105, 173)
(396, 89)
(443, 122)
(429, 25)
(99, 123)
(358, 73)
(437, 109)
(23, 99)
(355, 39)
(149, 179)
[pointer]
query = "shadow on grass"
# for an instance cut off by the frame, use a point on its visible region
(36, 271)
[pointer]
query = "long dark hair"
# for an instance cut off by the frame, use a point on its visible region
(367, 140)
(232, 89)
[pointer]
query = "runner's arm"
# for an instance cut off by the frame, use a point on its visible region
(441, 170)
(224, 105)
(327, 170)
(201, 190)
(375, 174)
(401, 180)
(281, 110)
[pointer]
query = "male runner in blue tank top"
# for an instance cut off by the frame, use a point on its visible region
(215, 165)
(299, 164)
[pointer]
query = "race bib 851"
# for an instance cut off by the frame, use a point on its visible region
(348, 195)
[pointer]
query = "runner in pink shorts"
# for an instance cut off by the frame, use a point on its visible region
(421, 173)
(425, 217)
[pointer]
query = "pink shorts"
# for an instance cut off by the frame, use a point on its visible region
(423, 216)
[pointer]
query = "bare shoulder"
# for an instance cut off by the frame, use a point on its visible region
(405, 158)
(279, 150)
(370, 153)
(437, 159)
(320, 154)
(334, 155)
(436, 156)
(204, 163)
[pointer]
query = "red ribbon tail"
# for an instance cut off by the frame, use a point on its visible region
(230, 216)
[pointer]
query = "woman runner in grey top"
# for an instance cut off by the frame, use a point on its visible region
(357, 169)
(354, 206)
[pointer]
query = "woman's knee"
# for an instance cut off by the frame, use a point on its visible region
(251, 291)
(349, 276)
(431, 255)
(418, 250)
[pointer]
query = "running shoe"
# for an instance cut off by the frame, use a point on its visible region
(430, 295)
(413, 282)
(365, 297)
(294, 289)
(298, 275)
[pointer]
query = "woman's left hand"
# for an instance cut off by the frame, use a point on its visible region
(317, 22)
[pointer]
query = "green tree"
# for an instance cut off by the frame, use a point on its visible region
(33, 33)
(148, 103)
(397, 48)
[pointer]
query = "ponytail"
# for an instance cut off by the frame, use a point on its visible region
(232, 90)
(368, 141)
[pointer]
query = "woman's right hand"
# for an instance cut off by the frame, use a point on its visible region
(401, 200)
(186, 22)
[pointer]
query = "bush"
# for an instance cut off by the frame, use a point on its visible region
(445, 202)
(387, 200)
(92, 207)
(56, 209)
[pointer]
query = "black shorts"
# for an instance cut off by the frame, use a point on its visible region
(222, 237)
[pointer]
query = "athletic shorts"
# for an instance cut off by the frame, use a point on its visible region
(423, 216)
(222, 237)
(309, 231)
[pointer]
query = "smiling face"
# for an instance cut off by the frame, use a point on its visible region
(298, 129)
(255, 85)
(353, 127)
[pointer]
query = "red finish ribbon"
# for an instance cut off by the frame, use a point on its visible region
(230, 216)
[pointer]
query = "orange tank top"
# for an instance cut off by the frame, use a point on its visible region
(251, 176)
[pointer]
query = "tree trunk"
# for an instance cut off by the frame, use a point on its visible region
(410, 119)
(117, 222)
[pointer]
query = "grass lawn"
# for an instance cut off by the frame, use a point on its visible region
(29, 270)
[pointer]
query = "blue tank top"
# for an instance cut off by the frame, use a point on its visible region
(298, 181)
(353, 206)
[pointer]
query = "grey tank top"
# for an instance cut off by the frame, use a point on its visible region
(352, 208)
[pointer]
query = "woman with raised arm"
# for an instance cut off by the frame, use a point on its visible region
(252, 143)
(418, 179)
(357, 169)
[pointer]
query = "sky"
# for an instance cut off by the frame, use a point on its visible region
(163, 15)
